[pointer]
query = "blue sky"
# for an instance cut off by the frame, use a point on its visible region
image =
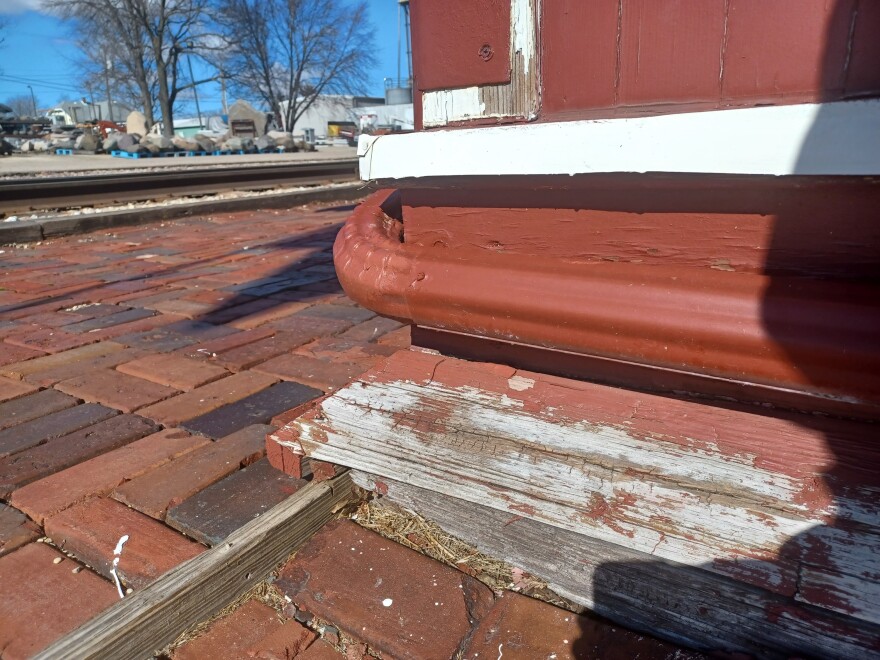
(38, 51)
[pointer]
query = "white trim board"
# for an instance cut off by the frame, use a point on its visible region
(840, 138)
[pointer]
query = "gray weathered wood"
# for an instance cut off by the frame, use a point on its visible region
(681, 603)
(149, 619)
(737, 492)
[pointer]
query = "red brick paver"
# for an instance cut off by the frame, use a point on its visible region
(289, 640)
(67, 450)
(13, 389)
(233, 635)
(170, 484)
(25, 409)
(101, 475)
(10, 354)
(324, 375)
(24, 368)
(522, 628)
(396, 600)
(91, 530)
(173, 370)
(320, 650)
(208, 397)
(217, 511)
(15, 529)
(50, 340)
(116, 389)
(43, 601)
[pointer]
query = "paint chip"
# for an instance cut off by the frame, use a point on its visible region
(520, 384)
(387, 602)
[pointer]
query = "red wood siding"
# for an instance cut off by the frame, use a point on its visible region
(787, 47)
(758, 225)
(449, 39)
(671, 49)
(620, 57)
(572, 27)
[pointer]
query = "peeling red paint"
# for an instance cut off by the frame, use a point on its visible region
(825, 595)
(624, 499)
(601, 511)
(524, 508)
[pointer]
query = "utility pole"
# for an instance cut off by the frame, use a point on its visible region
(107, 66)
(223, 92)
(33, 100)
(193, 80)
(92, 104)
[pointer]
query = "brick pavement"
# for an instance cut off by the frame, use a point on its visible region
(140, 371)
(354, 594)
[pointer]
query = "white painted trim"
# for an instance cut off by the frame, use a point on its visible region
(444, 106)
(812, 139)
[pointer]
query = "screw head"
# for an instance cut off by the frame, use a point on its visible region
(486, 52)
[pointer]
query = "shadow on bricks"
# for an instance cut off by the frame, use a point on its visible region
(310, 240)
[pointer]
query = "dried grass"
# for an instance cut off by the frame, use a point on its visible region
(264, 592)
(424, 536)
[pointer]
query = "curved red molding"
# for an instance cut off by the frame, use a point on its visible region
(786, 332)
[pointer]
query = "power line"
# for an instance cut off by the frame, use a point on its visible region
(50, 86)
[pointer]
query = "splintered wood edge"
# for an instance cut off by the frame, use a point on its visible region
(149, 619)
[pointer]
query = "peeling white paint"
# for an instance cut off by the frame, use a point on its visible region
(715, 509)
(520, 383)
(448, 105)
(523, 33)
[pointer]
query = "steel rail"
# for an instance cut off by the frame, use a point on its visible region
(18, 195)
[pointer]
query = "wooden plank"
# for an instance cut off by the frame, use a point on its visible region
(151, 618)
(683, 604)
(744, 493)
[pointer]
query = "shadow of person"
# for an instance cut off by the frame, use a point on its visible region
(824, 254)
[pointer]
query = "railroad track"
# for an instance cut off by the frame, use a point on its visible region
(22, 196)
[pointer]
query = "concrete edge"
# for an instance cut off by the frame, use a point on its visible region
(55, 227)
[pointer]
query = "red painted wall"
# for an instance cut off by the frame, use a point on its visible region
(776, 226)
(460, 43)
(627, 57)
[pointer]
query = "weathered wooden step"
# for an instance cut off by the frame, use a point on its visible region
(683, 604)
(783, 502)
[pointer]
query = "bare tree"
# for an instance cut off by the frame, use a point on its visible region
(288, 52)
(22, 106)
(150, 36)
(129, 70)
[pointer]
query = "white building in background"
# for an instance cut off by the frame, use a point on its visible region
(398, 117)
(330, 113)
(79, 112)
